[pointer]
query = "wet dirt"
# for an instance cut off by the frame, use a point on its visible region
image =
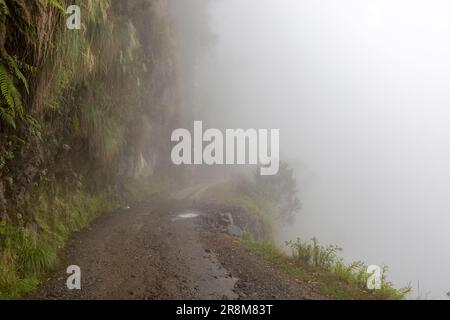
(161, 250)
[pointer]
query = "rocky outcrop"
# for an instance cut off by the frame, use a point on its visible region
(235, 221)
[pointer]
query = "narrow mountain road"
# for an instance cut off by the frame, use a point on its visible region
(163, 250)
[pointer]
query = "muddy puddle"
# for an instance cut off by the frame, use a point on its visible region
(185, 215)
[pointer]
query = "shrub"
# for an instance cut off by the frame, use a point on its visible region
(313, 262)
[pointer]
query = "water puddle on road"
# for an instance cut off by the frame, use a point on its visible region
(186, 215)
(197, 264)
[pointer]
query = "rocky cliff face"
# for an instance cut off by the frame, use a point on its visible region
(93, 105)
(84, 114)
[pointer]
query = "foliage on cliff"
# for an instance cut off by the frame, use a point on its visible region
(81, 112)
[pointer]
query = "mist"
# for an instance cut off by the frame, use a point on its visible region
(360, 93)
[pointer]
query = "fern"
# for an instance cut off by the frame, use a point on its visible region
(56, 5)
(17, 14)
(6, 83)
(4, 10)
(34, 126)
(11, 96)
(7, 117)
(14, 66)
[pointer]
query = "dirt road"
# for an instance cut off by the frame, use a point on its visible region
(162, 250)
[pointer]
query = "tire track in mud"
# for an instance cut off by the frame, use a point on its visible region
(148, 253)
(140, 253)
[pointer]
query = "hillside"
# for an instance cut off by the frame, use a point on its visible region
(81, 116)
(86, 179)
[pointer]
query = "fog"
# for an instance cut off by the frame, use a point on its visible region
(360, 93)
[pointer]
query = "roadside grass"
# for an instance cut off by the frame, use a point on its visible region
(321, 266)
(28, 249)
(309, 261)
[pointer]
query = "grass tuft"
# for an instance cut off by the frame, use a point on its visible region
(321, 265)
(27, 252)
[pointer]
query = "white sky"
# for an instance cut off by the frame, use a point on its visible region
(361, 92)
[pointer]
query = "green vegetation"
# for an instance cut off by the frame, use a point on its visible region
(321, 266)
(81, 113)
(81, 116)
(229, 194)
(30, 248)
(280, 190)
(272, 199)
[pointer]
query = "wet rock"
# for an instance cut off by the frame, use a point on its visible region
(234, 231)
(222, 221)
(229, 217)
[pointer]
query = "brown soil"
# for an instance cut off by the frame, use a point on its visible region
(148, 252)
